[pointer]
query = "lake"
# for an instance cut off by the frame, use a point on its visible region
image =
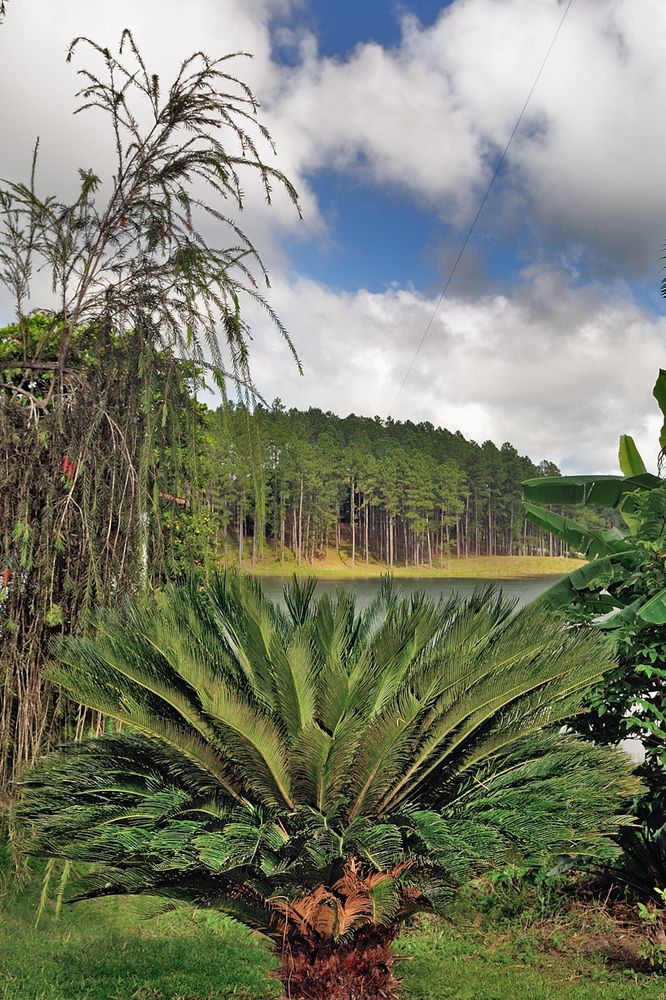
(524, 589)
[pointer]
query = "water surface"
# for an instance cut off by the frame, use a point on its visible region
(524, 589)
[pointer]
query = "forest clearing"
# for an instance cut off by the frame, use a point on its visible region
(338, 566)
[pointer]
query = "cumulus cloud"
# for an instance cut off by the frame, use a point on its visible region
(428, 116)
(433, 114)
(559, 372)
(38, 86)
(560, 361)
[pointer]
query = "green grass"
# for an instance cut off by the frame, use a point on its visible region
(477, 963)
(339, 567)
(110, 950)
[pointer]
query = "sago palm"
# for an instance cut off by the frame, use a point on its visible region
(321, 774)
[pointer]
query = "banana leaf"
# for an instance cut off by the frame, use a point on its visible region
(575, 535)
(654, 611)
(611, 542)
(621, 616)
(659, 393)
(597, 574)
(631, 462)
(590, 542)
(559, 595)
(571, 491)
(612, 554)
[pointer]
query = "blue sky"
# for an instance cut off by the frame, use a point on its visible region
(341, 26)
(377, 236)
(390, 119)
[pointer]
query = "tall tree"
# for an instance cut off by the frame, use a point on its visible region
(417, 490)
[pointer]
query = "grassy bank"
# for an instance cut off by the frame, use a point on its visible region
(339, 567)
(107, 950)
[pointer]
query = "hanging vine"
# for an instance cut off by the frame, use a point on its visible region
(99, 422)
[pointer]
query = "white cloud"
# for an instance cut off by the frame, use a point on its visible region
(428, 116)
(37, 88)
(557, 367)
(432, 115)
(559, 372)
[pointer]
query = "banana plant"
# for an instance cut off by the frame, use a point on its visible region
(615, 555)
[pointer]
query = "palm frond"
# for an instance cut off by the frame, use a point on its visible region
(319, 771)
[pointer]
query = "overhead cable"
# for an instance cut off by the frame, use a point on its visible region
(468, 236)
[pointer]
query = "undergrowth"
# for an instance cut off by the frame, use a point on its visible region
(509, 938)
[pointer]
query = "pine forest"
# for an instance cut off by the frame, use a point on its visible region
(294, 485)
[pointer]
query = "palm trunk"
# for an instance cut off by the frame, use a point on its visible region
(360, 969)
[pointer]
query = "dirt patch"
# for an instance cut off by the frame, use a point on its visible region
(612, 933)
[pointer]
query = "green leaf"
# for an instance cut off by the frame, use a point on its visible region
(569, 491)
(598, 573)
(659, 393)
(654, 611)
(612, 543)
(54, 617)
(631, 462)
(559, 595)
(385, 898)
(623, 615)
(575, 535)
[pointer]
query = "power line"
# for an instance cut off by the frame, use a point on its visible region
(480, 208)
